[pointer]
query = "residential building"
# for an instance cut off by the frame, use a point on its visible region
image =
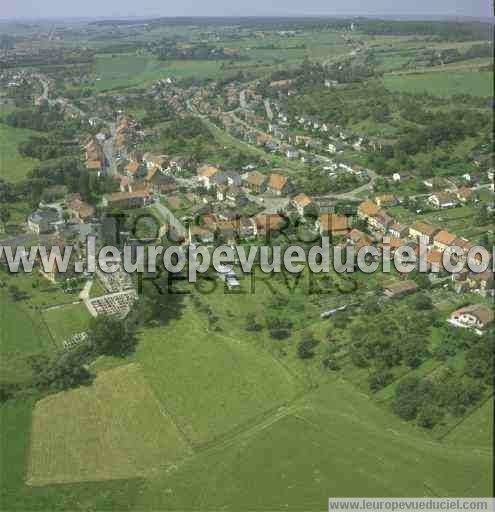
(434, 261)
(476, 317)
(198, 234)
(380, 221)
(358, 239)
(443, 240)
(367, 209)
(400, 289)
(443, 200)
(481, 282)
(269, 224)
(134, 169)
(210, 176)
(278, 185)
(292, 153)
(44, 221)
(423, 232)
(303, 204)
(80, 209)
(95, 166)
(126, 200)
(256, 182)
(397, 230)
(465, 194)
(331, 224)
(159, 183)
(386, 200)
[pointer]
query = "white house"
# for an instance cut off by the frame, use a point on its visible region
(476, 317)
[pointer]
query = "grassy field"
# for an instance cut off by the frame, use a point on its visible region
(66, 321)
(22, 333)
(129, 70)
(14, 166)
(210, 382)
(239, 405)
(333, 443)
(476, 430)
(445, 84)
(15, 495)
(113, 429)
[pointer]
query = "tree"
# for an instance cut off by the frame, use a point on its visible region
(112, 336)
(429, 415)
(407, 398)
(379, 379)
(422, 302)
(306, 346)
(63, 371)
(252, 323)
(4, 215)
(17, 294)
(413, 349)
(330, 364)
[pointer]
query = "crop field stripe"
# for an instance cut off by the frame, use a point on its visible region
(102, 432)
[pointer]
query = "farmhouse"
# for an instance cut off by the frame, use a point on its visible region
(476, 317)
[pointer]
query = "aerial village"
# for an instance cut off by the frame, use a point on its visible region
(207, 203)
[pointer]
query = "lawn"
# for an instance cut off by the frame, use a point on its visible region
(113, 429)
(14, 166)
(445, 84)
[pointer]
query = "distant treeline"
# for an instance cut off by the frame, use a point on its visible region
(446, 30)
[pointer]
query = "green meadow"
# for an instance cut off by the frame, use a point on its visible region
(238, 399)
(22, 334)
(130, 70)
(14, 166)
(444, 83)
